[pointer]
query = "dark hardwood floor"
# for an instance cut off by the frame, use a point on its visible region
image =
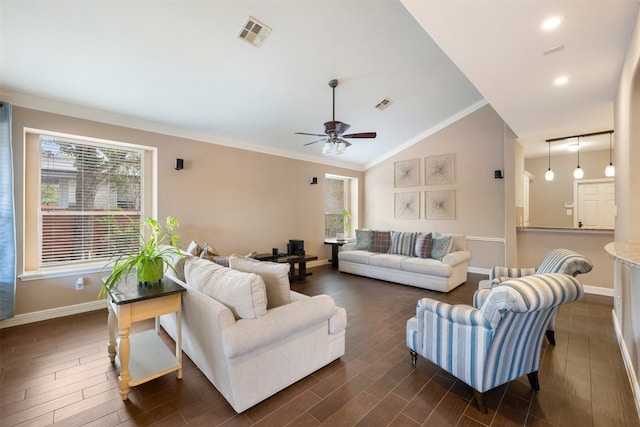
(58, 372)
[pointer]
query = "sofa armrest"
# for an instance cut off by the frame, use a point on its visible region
(348, 246)
(277, 324)
(457, 257)
(460, 313)
(500, 274)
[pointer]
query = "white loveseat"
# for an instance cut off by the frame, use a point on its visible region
(407, 259)
(245, 346)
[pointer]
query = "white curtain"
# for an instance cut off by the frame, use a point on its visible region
(7, 217)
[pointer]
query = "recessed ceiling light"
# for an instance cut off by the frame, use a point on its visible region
(551, 23)
(561, 81)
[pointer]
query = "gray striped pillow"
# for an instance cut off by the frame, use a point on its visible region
(402, 243)
(423, 245)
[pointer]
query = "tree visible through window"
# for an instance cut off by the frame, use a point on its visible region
(90, 200)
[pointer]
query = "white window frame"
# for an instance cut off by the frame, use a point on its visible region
(32, 233)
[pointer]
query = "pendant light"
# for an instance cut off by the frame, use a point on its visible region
(578, 173)
(610, 170)
(548, 175)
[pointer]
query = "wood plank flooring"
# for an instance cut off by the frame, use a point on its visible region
(58, 372)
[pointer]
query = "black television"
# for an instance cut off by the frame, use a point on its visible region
(295, 247)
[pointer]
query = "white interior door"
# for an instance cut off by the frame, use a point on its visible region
(596, 205)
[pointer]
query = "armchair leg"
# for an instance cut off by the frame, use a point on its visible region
(414, 358)
(533, 380)
(551, 336)
(482, 403)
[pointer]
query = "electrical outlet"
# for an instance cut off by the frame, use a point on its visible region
(79, 284)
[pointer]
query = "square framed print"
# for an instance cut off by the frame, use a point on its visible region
(440, 204)
(440, 170)
(407, 173)
(407, 205)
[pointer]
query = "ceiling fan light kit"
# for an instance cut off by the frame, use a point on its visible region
(333, 138)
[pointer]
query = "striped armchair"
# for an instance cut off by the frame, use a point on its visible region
(498, 342)
(556, 261)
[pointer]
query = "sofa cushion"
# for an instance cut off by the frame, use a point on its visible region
(361, 257)
(423, 245)
(275, 276)
(243, 293)
(403, 243)
(363, 240)
(440, 246)
(177, 261)
(194, 248)
(380, 241)
(426, 266)
(387, 260)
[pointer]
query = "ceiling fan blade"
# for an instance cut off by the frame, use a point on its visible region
(313, 142)
(336, 127)
(305, 133)
(361, 135)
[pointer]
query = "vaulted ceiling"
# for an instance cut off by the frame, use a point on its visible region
(179, 67)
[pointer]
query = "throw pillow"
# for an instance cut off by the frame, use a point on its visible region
(363, 240)
(243, 293)
(380, 241)
(275, 276)
(194, 248)
(209, 252)
(402, 243)
(440, 246)
(423, 245)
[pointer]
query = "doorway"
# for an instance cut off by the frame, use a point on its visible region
(595, 203)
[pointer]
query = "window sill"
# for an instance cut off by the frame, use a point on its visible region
(49, 273)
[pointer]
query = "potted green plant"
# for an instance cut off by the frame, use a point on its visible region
(346, 218)
(149, 259)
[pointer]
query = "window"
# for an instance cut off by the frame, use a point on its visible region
(89, 199)
(340, 197)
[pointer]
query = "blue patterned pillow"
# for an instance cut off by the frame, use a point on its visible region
(402, 243)
(363, 240)
(440, 246)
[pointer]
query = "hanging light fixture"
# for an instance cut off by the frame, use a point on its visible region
(327, 148)
(578, 173)
(610, 170)
(548, 175)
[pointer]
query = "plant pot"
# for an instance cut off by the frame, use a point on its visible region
(150, 271)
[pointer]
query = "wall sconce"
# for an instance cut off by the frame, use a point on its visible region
(578, 173)
(549, 175)
(610, 170)
(179, 164)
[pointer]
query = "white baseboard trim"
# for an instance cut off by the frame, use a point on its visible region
(52, 313)
(478, 270)
(597, 290)
(631, 374)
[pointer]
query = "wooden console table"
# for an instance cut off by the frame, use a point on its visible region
(143, 356)
(301, 260)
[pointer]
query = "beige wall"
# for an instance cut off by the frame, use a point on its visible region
(627, 280)
(236, 200)
(533, 246)
(477, 141)
(547, 198)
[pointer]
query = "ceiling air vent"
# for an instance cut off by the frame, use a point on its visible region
(254, 32)
(383, 104)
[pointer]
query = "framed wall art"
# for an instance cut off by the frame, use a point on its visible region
(407, 173)
(407, 205)
(440, 170)
(440, 204)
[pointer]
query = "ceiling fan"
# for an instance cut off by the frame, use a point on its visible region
(333, 138)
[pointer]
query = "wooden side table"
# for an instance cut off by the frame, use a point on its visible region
(335, 246)
(301, 260)
(143, 356)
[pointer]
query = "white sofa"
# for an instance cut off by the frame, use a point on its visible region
(250, 351)
(407, 268)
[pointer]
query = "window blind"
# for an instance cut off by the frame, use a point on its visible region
(90, 200)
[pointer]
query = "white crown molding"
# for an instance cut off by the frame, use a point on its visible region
(86, 113)
(443, 124)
